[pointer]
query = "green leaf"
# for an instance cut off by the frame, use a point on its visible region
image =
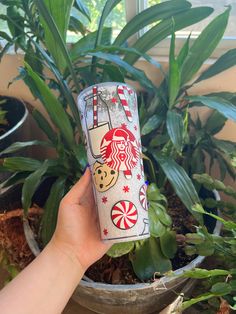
(21, 164)
(45, 126)
(221, 288)
(81, 155)
(224, 107)
(175, 128)
(82, 8)
(16, 178)
(174, 74)
(49, 219)
(31, 184)
(181, 183)
(136, 74)
(119, 249)
(53, 107)
(203, 46)
(168, 243)
(215, 123)
(87, 43)
(164, 29)
(193, 301)
(56, 33)
(148, 259)
(155, 13)
(199, 273)
(157, 228)
(225, 62)
(20, 145)
(183, 52)
(55, 21)
(152, 123)
(109, 6)
(224, 146)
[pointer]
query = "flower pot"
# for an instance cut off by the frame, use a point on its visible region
(140, 298)
(16, 117)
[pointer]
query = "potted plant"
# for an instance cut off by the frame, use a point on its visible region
(91, 60)
(216, 290)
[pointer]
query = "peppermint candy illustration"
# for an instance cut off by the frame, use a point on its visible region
(143, 196)
(124, 215)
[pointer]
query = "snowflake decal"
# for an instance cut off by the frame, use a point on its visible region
(126, 188)
(104, 199)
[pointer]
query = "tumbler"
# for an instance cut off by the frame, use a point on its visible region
(110, 124)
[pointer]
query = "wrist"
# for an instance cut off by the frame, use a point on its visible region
(64, 253)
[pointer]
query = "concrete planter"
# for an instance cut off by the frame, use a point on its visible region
(138, 298)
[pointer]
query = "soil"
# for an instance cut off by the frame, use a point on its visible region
(12, 235)
(119, 270)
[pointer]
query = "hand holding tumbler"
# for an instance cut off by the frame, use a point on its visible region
(109, 118)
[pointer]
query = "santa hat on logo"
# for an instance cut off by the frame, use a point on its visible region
(120, 135)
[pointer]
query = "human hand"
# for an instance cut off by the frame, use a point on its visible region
(77, 230)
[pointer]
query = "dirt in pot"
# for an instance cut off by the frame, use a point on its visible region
(12, 238)
(119, 270)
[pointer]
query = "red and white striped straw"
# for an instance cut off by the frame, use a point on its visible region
(124, 102)
(95, 109)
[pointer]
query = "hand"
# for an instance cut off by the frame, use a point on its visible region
(77, 230)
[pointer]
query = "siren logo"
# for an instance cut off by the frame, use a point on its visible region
(119, 149)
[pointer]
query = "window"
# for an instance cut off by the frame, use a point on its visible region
(229, 40)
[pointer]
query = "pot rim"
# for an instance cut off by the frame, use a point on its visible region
(19, 123)
(158, 284)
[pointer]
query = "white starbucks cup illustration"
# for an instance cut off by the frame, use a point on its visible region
(109, 119)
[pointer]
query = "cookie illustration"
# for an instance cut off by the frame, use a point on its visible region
(104, 177)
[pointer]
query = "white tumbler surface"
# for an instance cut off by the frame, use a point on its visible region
(109, 118)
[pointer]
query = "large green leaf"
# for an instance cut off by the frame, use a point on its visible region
(61, 54)
(49, 219)
(155, 13)
(168, 244)
(225, 107)
(55, 16)
(16, 178)
(109, 6)
(20, 145)
(203, 46)
(180, 182)
(88, 42)
(148, 259)
(215, 123)
(164, 29)
(80, 5)
(31, 184)
(21, 164)
(53, 107)
(119, 249)
(152, 123)
(136, 73)
(225, 62)
(174, 74)
(175, 128)
(45, 126)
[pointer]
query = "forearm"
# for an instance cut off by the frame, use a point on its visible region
(45, 286)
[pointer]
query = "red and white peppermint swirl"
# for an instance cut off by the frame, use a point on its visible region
(143, 196)
(124, 215)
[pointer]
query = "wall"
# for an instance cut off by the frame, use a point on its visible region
(225, 81)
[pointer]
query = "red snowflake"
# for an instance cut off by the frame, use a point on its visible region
(114, 100)
(105, 232)
(126, 188)
(124, 125)
(135, 127)
(138, 176)
(104, 199)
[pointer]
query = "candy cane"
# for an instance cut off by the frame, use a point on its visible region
(124, 102)
(95, 112)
